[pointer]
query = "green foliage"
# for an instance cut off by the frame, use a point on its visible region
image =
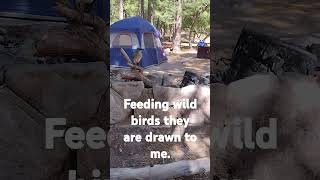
(196, 14)
(131, 8)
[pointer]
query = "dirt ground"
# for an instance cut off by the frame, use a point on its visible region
(178, 63)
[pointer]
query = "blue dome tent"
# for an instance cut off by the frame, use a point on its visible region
(133, 33)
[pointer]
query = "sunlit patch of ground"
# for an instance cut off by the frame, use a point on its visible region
(178, 63)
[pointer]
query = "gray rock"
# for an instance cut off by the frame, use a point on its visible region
(156, 79)
(197, 116)
(202, 95)
(71, 91)
(128, 90)
(117, 112)
(166, 94)
(170, 80)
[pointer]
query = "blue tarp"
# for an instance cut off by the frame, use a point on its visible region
(46, 7)
(138, 26)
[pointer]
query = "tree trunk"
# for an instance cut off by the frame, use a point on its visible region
(164, 30)
(190, 39)
(150, 11)
(158, 23)
(142, 8)
(172, 33)
(178, 26)
(194, 20)
(121, 9)
(194, 36)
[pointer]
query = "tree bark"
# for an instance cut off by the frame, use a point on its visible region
(178, 26)
(158, 23)
(121, 9)
(142, 8)
(164, 30)
(150, 11)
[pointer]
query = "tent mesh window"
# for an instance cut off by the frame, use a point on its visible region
(148, 40)
(122, 41)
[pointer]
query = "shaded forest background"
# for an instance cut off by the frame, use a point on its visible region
(177, 20)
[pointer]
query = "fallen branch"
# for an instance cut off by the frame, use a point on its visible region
(163, 171)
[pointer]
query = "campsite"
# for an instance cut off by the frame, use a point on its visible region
(55, 63)
(154, 55)
(74, 62)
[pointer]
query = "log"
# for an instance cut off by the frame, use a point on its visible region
(163, 171)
